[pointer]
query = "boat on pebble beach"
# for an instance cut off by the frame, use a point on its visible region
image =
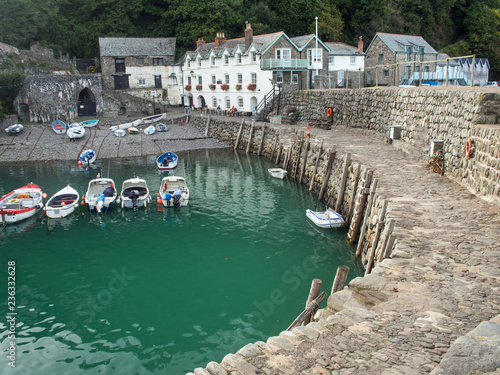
(75, 131)
(154, 118)
(14, 129)
(126, 125)
(89, 123)
(59, 126)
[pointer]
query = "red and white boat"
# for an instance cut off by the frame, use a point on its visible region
(21, 204)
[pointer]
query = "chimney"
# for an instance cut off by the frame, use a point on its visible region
(200, 43)
(360, 44)
(219, 38)
(248, 35)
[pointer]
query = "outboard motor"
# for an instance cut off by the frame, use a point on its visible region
(99, 204)
(177, 201)
(134, 195)
(168, 198)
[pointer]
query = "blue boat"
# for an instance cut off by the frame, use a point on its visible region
(167, 160)
(89, 123)
(88, 156)
(59, 126)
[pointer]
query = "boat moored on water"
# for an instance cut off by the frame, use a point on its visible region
(173, 192)
(135, 193)
(21, 203)
(88, 156)
(325, 219)
(168, 160)
(277, 173)
(101, 194)
(62, 203)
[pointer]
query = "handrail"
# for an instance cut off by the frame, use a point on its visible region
(268, 98)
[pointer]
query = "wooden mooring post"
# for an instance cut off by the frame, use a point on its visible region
(366, 218)
(278, 155)
(340, 279)
(250, 137)
(316, 166)
(340, 197)
(364, 190)
(303, 169)
(313, 293)
(238, 137)
(353, 194)
(380, 226)
(315, 303)
(333, 152)
(206, 126)
(274, 147)
(261, 146)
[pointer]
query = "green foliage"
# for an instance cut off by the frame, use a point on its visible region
(11, 82)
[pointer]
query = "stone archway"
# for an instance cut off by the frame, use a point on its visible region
(87, 105)
(201, 102)
(253, 103)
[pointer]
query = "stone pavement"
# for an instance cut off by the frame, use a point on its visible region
(442, 281)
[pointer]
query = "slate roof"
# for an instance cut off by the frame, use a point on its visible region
(444, 56)
(343, 49)
(467, 61)
(398, 43)
(137, 46)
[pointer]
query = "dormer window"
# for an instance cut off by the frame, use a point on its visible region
(199, 62)
(226, 59)
(189, 63)
(254, 57)
(238, 58)
(212, 61)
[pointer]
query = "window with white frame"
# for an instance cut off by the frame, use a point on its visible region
(228, 102)
(353, 60)
(315, 58)
(331, 60)
(214, 102)
(200, 80)
(214, 80)
(212, 60)
(283, 53)
(199, 61)
(226, 59)
(226, 78)
(240, 102)
(254, 78)
(240, 78)
(139, 61)
(408, 53)
(279, 77)
(238, 58)
(254, 57)
(381, 57)
(189, 80)
(157, 61)
(189, 63)
(295, 78)
(141, 81)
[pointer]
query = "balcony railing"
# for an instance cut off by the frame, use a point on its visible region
(277, 64)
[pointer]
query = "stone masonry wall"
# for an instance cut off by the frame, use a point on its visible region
(452, 116)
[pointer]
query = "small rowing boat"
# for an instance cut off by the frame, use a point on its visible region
(89, 123)
(14, 129)
(167, 160)
(59, 126)
(325, 219)
(126, 125)
(154, 118)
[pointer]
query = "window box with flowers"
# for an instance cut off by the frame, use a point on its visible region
(252, 86)
(188, 87)
(199, 87)
(211, 86)
(238, 87)
(224, 86)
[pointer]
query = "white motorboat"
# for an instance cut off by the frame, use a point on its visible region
(126, 125)
(101, 194)
(173, 192)
(14, 129)
(21, 204)
(135, 193)
(325, 219)
(277, 173)
(75, 130)
(154, 118)
(62, 203)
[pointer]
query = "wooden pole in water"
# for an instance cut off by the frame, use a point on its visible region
(327, 172)
(340, 197)
(206, 126)
(340, 279)
(352, 201)
(316, 165)
(303, 170)
(261, 146)
(313, 293)
(239, 135)
(274, 147)
(252, 128)
(366, 218)
(380, 225)
(314, 306)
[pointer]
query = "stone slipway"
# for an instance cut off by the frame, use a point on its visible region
(440, 287)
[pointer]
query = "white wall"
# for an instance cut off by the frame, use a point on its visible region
(344, 62)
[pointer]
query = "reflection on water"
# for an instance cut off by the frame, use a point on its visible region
(162, 290)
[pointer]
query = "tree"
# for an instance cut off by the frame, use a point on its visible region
(11, 82)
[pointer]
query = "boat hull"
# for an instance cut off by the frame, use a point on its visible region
(88, 156)
(59, 127)
(20, 204)
(169, 185)
(277, 173)
(154, 118)
(63, 203)
(135, 184)
(149, 130)
(167, 161)
(89, 123)
(95, 190)
(14, 129)
(326, 219)
(126, 125)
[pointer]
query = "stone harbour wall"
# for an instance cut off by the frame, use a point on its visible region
(424, 117)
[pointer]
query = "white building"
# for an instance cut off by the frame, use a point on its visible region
(240, 72)
(345, 63)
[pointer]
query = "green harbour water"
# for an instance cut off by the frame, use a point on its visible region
(161, 291)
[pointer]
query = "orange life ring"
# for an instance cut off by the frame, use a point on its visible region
(329, 112)
(468, 148)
